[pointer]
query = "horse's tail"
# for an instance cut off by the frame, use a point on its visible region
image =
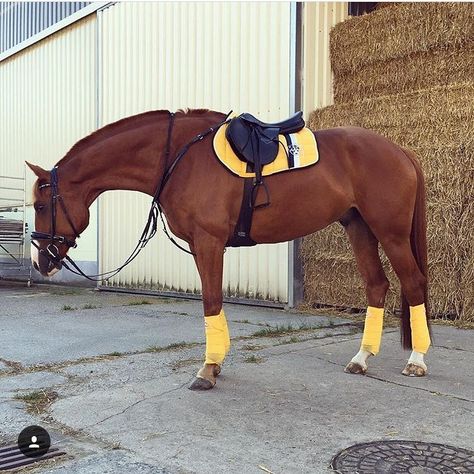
(419, 248)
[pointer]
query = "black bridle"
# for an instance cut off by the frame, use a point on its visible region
(51, 252)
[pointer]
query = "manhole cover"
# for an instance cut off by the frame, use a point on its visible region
(11, 457)
(403, 457)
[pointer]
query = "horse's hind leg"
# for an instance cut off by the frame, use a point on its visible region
(365, 247)
(413, 283)
(210, 260)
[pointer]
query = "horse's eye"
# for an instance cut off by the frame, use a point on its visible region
(39, 207)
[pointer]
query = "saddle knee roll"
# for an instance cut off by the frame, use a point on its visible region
(372, 330)
(420, 335)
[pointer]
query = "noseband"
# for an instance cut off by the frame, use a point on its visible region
(52, 249)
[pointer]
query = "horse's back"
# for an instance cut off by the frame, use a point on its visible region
(364, 151)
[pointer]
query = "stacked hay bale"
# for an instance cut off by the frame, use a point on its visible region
(407, 72)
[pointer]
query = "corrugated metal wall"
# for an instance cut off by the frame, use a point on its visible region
(171, 55)
(151, 56)
(47, 103)
(318, 19)
(21, 20)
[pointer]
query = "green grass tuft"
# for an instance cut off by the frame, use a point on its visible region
(169, 347)
(251, 347)
(38, 400)
(89, 306)
(67, 307)
(281, 330)
(137, 302)
(253, 359)
(115, 354)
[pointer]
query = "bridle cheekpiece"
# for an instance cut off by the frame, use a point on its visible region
(54, 239)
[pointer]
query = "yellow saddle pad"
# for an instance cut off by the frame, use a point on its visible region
(296, 150)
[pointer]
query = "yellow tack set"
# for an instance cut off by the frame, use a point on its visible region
(420, 336)
(217, 338)
(372, 330)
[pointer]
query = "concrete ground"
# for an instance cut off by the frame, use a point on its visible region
(107, 376)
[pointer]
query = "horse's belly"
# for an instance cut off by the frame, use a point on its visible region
(299, 208)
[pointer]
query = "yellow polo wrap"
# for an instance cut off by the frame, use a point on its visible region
(372, 330)
(420, 336)
(217, 338)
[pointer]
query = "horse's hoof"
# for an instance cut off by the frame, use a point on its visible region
(355, 368)
(201, 384)
(412, 370)
(206, 377)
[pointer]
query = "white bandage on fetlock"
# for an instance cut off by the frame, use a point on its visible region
(417, 358)
(361, 358)
(420, 335)
(217, 338)
(372, 330)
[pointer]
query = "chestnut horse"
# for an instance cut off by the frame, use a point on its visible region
(373, 187)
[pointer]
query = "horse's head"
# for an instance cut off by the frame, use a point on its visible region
(61, 214)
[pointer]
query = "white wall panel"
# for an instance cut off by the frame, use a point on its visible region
(166, 55)
(47, 103)
(318, 19)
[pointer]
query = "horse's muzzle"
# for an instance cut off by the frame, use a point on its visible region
(42, 263)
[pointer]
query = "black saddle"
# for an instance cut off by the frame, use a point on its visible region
(256, 142)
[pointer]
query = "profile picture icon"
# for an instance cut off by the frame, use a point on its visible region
(33, 444)
(34, 441)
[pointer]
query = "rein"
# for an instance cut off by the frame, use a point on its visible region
(52, 252)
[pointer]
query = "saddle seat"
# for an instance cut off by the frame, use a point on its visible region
(289, 125)
(257, 142)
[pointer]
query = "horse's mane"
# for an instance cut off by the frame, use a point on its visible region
(124, 125)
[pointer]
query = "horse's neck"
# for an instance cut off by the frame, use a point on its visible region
(130, 161)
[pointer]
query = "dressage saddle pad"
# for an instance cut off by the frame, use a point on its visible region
(296, 150)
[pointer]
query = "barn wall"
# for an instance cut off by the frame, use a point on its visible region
(58, 87)
(47, 103)
(221, 56)
(317, 77)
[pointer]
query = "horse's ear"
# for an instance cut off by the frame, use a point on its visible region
(38, 171)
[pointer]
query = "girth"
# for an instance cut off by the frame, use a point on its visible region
(241, 236)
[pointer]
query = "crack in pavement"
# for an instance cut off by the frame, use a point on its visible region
(294, 351)
(432, 392)
(381, 379)
(136, 403)
(436, 346)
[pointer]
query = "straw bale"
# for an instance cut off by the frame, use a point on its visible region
(386, 4)
(419, 70)
(398, 31)
(331, 275)
(437, 125)
(430, 117)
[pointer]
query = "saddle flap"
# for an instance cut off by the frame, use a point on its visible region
(251, 143)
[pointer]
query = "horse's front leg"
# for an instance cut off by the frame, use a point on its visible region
(209, 260)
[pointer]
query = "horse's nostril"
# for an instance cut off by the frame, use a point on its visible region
(35, 266)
